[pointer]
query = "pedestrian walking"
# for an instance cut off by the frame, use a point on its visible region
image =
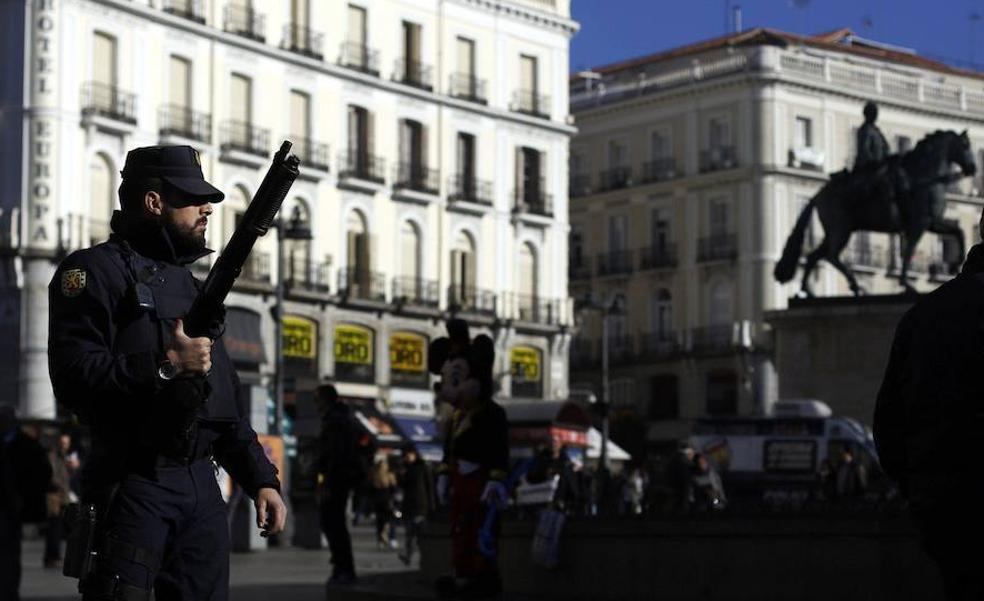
(707, 486)
(384, 488)
(59, 496)
(679, 477)
(419, 499)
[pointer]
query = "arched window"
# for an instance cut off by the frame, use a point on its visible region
(100, 198)
(357, 279)
(463, 265)
(661, 314)
(409, 251)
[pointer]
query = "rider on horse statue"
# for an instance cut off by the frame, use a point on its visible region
(884, 176)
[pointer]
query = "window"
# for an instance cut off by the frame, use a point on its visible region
(722, 393)
(463, 263)
(719, 133)
(659, 144)
(411, 144)
(356, 25)
(104, 60)
(411, 52)
(718, 218)
(232, 209)
(664, 401)
(803, 133)
(240, 99)
(357, 247)
(100, 198)
(300, 12)
(179, 89)
(528, 74)
(359, 141)
(530, 175)
(527, 271)
(618, 233)
(466, 157)
(300, 114)
(661, 314)
(297, 253)
(576, 251)
(720, 310)
(466, 59)
(409, 251)
(659, 230)
(616, 154)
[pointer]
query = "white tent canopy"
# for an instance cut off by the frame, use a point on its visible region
(615, 452)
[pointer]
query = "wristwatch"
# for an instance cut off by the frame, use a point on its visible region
(167, 370)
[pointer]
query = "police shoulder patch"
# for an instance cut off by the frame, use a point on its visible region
(72, 282)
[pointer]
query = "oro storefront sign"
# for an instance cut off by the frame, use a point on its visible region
(525, 367)
(300, 337)
(408, 359)
(354, 356)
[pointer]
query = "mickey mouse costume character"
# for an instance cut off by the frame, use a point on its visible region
(476, 457)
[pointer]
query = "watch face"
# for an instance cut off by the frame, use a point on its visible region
(167, 370)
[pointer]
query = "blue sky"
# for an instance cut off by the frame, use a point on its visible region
(612, 30)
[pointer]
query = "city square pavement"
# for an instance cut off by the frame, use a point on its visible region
(289, 574)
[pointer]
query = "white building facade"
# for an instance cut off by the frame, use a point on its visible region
(433, 136)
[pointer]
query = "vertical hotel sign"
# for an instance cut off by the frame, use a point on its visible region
(43, 127)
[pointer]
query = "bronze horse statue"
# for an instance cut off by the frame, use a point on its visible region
(846, 205)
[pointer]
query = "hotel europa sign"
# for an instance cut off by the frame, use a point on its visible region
(43, 126)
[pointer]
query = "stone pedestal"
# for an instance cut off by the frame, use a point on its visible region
(836, 349)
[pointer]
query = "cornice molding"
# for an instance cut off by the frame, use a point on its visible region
(524, 13)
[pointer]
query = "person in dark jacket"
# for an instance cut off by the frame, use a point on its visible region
(418, 498)
(25, 475)
(929, 416)
(339, 470)
(160, 405)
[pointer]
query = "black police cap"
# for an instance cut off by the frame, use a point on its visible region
(178, 166)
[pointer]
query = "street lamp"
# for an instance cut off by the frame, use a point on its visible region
(295, 229)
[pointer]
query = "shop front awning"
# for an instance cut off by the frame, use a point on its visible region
(379, 425)
(422, 432)
(242, 336)
(532, 423)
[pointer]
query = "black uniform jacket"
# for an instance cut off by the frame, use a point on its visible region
(929, 416)
(481, 437)
(104, 352)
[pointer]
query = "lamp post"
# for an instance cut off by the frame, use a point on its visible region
(295, 229)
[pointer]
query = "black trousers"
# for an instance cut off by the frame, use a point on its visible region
(336, 530)
(10, 557)
(53, 538)
(412, 523)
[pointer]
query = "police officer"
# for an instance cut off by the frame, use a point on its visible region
(161, 405)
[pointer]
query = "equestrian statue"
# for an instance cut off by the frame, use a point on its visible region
(901, 194)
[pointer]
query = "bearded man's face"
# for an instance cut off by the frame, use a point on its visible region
(186, 226)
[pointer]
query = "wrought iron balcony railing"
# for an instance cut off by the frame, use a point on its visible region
(183, 122)
(245, 22)
(359, 57)
(312, 154)
(186, 9)
(468, 87)
(256, 270)
(414, 73)
(416, 177)
(416, 291)
(471, 299)
(718, 158)
(579, 185)
(658, 344)
(530, 102)
(659, 170)
(361, 165)
(470, 189)
(615, 178)
(245, 137)
(533, 200)
(533, 309)
(303, 40)
(658, 256)
(616, 262)
(579, 268)
(362, 284)
(310, 277)
(109, 101)
(722, 247)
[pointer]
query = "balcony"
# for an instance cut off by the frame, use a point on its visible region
(416, 291)
(530, 102)
(712, 339)
(361, 284)
(614, 179)
(468, 87)
(579, 268)
(717, 158)
(239, 136)
(658, 257)
(312, 154)
(469, 299)
(659, 170)
(470, 189)
(416, 177)
(661, 344)
(302, 40)
(361, 165)
(186, 9)
(308, 277)
(359, 57)
(533, 309)
(245, 22)
(256, 270)
(534, 201)
(579, 185)
(721, 247)
(616, 262)
(182, 122)
(414, 73)
(110, 102)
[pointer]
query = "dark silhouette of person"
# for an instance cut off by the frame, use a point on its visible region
(929, 418)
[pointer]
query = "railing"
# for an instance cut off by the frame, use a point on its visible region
(718, 158)
(302, 40)
(471, 299)
(722, 247)
(615, 262)
(533, 309)
(470, 189)
(314, 278)
(659, 170)
(417, 177)
(533, 200)
(659, 256)
(531, 102)
(359, 57)
(312, 154)
(579, 269)
(614, 178)
(416, 291)
(664, 343)
(187, 9)
(468, 87)
(183, 122)
(361, 165)
(712, 338)
(363, 284)
(108, 101)
(245, 22)
(414, 73)
(245, 137)
(256, 270)
(579, 185)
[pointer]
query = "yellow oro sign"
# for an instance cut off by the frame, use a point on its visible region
(408, 352)
(353, 344)
(300, 337)
(525, 364)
